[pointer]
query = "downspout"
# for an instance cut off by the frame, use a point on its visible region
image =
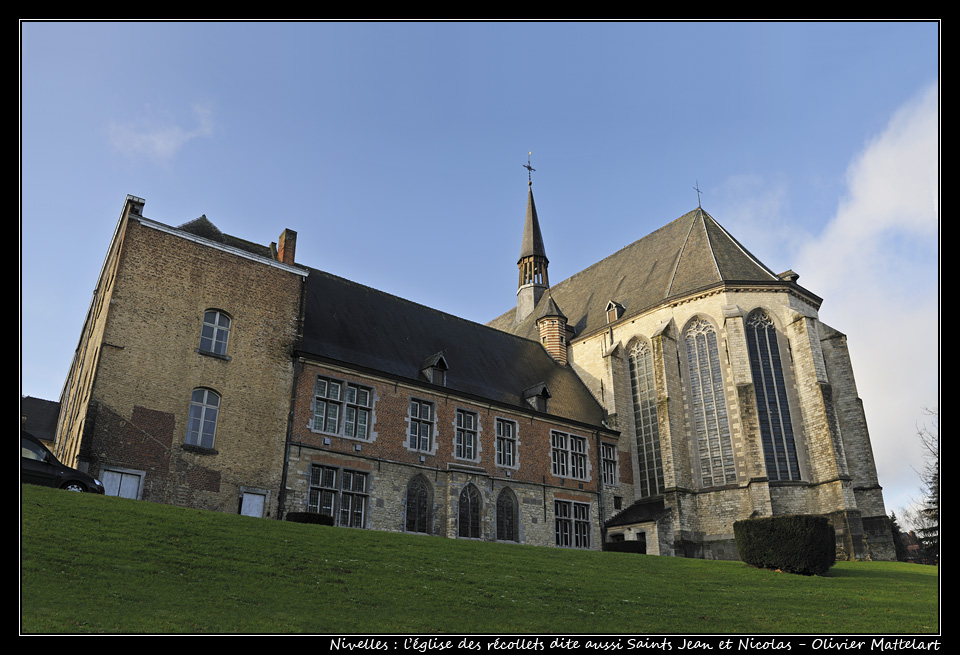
(297, 366)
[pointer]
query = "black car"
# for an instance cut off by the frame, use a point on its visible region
(39, 466)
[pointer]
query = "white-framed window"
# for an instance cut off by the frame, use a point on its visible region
(571, 524)
(215, 332)
(558, 454)
(422, 419)
(202, 420)
(342, 408)
(507, 443)
(608, 461)
(339, 493)
(568, 455)
(465, 442)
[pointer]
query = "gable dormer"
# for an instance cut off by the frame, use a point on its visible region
(537, 396)
(614, 311)
(434, 369)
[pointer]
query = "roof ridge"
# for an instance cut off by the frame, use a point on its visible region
(417, 304)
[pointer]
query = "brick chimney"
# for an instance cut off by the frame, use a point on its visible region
(287, 247)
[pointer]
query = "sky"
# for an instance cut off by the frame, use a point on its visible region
(396, 151)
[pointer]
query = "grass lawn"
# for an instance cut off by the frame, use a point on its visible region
(95, 564)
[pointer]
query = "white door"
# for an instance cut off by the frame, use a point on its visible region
(252, 504)
(118, 483)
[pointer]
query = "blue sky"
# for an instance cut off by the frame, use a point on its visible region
(395, 151)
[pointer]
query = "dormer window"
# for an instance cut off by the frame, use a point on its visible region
(537, 396)
(434, 369)
(614, 311)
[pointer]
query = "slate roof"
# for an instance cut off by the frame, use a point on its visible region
(39, 417)
(641, 511)
(532, 241)
(690, 254)
(203, 227)
(363, 327)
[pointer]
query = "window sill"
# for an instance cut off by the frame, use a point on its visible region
(207, 353)
(200, 450)
(472, 468)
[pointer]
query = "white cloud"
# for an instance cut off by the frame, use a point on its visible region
(158, 138)
(875, 265)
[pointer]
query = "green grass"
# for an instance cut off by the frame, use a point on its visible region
(94, 564)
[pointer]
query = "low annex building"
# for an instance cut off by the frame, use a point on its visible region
(657, 396)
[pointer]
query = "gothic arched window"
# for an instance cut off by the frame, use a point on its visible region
(773, 412)
(418, 505)
(470, 512)
(645, 420)
(506, 516)
(708, 406)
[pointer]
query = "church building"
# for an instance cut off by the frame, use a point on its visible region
(658, 396)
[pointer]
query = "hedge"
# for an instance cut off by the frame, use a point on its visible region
(792, 543)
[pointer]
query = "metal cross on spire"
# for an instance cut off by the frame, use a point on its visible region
(529, 168)
(697, 187)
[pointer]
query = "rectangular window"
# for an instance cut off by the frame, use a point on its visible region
(465, 446)
(558, 454)
(578, 457)
(608, 458)
(340, 494)
(341, 408)
(506, 443)
(422, 418)
(572, 524)
(568, 454)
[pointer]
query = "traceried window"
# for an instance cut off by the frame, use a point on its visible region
(645, 420)
(568, 454)
(469, 512)
(608, 461)
(465, 443)
(339, 493)
(419, 502)
(571, 524)
(422, 419)
(773, 411)
(342, 408)
(506, 443)
(202, 421)
(708, 406)
(215, 332)
(507, 516)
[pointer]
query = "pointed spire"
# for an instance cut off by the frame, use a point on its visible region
(532, 243)
(533, 259)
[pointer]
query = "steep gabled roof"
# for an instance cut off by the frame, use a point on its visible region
(690, 254)
(362, 327)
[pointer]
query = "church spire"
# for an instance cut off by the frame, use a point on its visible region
(533, 259)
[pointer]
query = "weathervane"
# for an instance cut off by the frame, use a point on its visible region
(697, 187)
(529, 168)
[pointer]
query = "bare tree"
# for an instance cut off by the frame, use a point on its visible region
(928, 514)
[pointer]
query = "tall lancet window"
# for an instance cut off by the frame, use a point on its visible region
(645, 420)
(708, 406)
(773, 412)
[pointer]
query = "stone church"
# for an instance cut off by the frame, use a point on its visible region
(658, 396)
